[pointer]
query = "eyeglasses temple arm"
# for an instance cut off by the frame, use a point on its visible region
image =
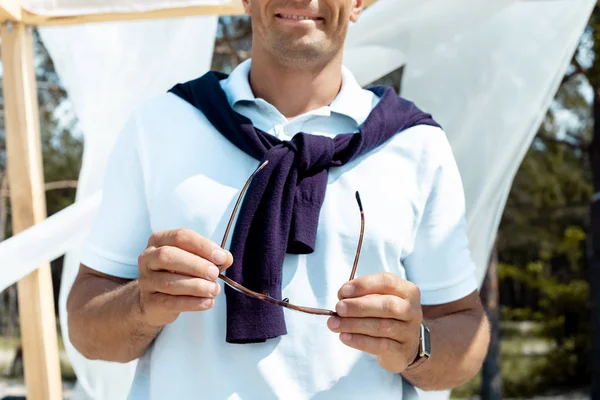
(360, 239)
(239, 200)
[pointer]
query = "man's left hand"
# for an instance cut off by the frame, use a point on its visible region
(380, 314)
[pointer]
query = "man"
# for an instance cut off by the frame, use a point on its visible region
(150, 283)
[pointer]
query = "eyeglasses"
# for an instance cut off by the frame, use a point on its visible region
(265, 296)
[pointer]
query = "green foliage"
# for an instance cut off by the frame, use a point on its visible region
(543, 263)
(62, 154)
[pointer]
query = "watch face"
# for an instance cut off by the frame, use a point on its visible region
(425, 341)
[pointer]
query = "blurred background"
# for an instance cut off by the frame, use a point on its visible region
(537, 288)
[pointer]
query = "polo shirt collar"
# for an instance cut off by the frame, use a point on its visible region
(352, 100)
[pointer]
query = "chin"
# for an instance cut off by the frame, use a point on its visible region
(304, 46)
(300, 54)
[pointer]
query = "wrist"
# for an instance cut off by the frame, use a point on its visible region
(144, 319)
(423, 351)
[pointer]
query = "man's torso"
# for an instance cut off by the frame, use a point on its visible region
(193, 181)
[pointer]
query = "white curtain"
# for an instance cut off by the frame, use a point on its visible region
(392, 31)
(107, 69)
(80, 7)
(490, 89)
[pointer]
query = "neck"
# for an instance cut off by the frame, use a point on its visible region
(293, 90)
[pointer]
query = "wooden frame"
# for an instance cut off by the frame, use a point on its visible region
(10, 10)
(28, 203)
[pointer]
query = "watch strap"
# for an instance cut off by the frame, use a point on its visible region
(424, 351)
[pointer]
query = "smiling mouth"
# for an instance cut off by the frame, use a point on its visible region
(298, 17)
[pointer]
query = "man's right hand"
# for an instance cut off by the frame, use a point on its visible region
(178, 271)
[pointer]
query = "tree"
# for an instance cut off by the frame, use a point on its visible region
(233, 43)
(593, 75)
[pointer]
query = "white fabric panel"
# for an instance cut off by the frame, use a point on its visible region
(107, 70)
(46, 241)
(490, 90)
(392, 31)
(81, 7)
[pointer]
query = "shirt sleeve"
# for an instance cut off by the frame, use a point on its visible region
(121, 228)
(440, 262)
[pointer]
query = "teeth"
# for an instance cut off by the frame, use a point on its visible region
(296, 17)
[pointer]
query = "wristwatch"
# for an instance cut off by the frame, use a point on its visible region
(424, 351)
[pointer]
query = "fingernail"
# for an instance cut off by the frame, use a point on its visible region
(216, 289)
(205, 303)
(334, 322)
(341, 308)
(347, 290)
(346, 337)
(219, 256)
(213, 272)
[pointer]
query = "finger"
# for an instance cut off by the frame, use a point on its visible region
(176, 260)
(376, 306)
(381, 283)
(179, 285)
(161, 302)
(371, 345)
(374, 327)
(193, 242)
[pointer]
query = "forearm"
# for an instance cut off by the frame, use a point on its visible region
(459, 343)
(105, 320)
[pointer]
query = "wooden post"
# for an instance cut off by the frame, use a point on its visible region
(28, 205)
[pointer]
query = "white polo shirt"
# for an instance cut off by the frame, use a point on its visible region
(171, 169)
